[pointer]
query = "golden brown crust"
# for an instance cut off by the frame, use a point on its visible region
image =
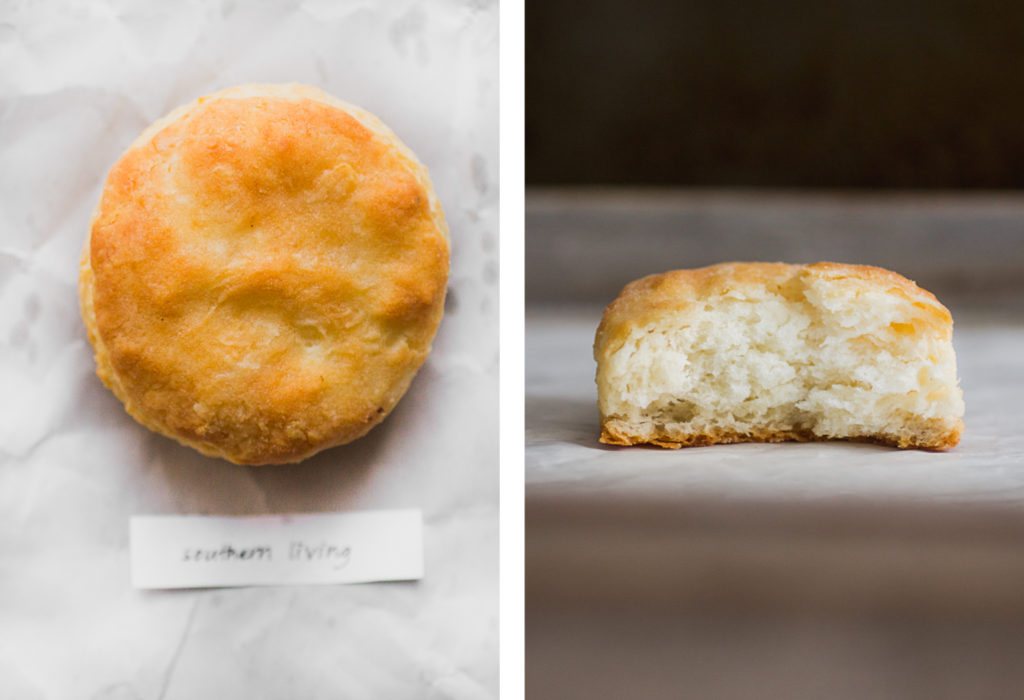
(265, 274)
(650, 296)
(939, 437)
(643, 301)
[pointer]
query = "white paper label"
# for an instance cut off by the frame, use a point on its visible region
(193, 551)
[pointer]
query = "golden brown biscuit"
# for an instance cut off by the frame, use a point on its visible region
(265, 273)
(766, 352)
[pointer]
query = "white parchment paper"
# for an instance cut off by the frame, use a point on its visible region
(78, 82)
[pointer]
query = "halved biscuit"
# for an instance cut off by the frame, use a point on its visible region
(766, 352)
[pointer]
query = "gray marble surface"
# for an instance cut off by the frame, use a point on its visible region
(78, 84)
(563, 456)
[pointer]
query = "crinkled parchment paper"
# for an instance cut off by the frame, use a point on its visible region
(78, 82)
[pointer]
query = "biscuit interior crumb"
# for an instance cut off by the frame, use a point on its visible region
(800, 357)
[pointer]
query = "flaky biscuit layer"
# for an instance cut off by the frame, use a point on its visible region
(656, 348)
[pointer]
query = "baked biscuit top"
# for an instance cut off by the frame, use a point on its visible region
(265, 273)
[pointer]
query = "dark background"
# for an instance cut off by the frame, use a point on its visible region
(783, 93)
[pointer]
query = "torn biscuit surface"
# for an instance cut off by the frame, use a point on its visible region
(770, 352)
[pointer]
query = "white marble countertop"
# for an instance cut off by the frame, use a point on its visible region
(564, 457)
(78, 85)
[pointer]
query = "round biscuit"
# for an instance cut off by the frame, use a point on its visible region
(265, 273)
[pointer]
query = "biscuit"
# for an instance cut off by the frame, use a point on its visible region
(767, 352)
(265, 273)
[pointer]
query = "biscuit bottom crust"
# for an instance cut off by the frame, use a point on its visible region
(265, 273)
(934, 435)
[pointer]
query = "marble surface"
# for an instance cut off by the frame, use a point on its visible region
(79, 83)
(563, 456)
